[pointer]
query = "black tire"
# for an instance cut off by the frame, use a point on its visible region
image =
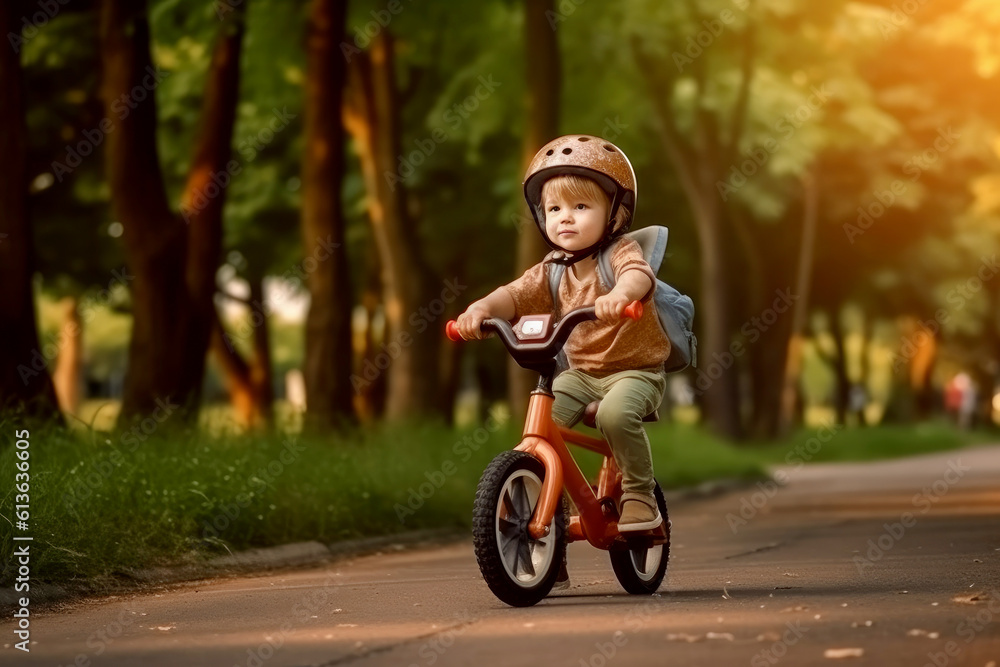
(641, 570)
(518, 569)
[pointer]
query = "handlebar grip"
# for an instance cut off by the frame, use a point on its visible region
(633, 311)
(451, 331)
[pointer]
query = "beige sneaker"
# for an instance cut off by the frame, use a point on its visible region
(562, 579)
(638, 512)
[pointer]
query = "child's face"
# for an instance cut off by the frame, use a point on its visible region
(575, 224)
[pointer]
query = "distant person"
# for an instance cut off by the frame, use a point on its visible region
(857, 402)
(953, 398)
(967, 408)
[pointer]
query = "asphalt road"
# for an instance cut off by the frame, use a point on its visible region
(893, 563)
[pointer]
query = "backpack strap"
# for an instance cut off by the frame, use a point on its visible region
(604, 267)
(554, 271)
(653, 243)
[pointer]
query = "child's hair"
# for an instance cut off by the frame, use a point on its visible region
(573, 187)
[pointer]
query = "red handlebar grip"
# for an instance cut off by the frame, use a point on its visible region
(451, 331)
(633, 311)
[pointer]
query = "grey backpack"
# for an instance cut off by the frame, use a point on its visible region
(675, 310)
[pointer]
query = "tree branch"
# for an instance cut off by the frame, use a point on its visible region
(661, 93)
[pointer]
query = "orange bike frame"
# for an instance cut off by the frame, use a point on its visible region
(545, 440)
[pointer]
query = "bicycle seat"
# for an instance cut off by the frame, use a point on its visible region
(590, 414)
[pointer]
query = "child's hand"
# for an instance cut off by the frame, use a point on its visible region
(469, 321)
(609, 308)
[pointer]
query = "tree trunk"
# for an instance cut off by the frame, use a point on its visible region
(25, 385)
(413, 338)
(800, 309)
(842, 386)
(992, 370)
(698, 157)
(911, 396)
(328, 325)
(173, 261)
(369, 399)
(922, 370)
(249, 383)
(262, 370)
(718, 372)
(544, 84)
(867, 331)
(236, 376)
(66, 377)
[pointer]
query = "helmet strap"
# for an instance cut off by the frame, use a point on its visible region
(593, 251)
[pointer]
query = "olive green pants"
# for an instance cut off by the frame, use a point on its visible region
(626, 398)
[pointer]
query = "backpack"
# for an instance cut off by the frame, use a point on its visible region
(674, 310)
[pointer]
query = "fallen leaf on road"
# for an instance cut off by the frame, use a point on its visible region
(165, 627)
(839, 653)
(917, 632)
(866, 624)
(970, 598)
(798, 608)
(790, 574)
(690, 639)
(768, 637)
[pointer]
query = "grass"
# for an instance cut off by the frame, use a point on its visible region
(103, 506)
(869, 444)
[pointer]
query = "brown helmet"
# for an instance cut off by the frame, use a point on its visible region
(583, 155)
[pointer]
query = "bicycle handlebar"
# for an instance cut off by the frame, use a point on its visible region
(561, 333)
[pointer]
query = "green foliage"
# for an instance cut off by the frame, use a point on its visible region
(892, 84)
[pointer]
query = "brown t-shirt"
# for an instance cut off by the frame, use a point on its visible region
(597, 348)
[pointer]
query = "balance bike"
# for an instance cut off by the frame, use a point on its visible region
(521, 523)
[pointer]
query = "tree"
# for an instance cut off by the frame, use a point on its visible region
(543, 79)
(328, 327)
(173, 258)
(701, 154)
(372, 114)
(25, 384)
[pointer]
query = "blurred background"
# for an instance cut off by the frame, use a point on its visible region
(255, 217)
(261, 210)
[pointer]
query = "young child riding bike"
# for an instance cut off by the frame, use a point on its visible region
(581, 191)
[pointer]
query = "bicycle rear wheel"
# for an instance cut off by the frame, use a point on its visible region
(641, 570)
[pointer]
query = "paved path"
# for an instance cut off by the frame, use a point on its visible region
(895, 562)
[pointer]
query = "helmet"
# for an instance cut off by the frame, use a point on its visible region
(582, 155)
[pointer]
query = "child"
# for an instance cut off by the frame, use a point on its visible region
(581, 191)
